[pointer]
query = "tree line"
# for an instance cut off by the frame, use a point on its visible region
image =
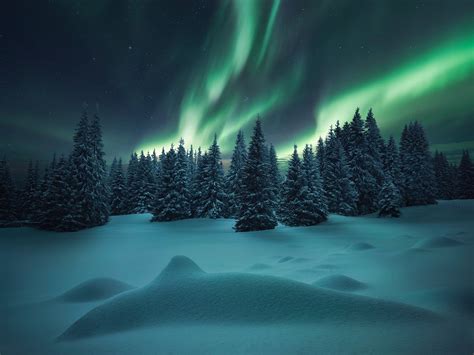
(351, 172)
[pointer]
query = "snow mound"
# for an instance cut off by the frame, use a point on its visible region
(233, 298)
(94, 290)
(259, 266)
(300, 260)
(438, 242)
(460, 301)
(361, 246)
(285, 259)
(340, 283)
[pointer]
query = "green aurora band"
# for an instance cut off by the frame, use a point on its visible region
(238, 83)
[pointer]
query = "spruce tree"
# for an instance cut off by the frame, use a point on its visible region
(274, 176)
(362, 167)
(465, 177)
(340, 192)
(314, 182)
(28, 195)
(389, 199)
(133, 184)
(144, 186)
(256, 212)
(392, 163)
(213, 197)
(181, 185)
(445, 179)
(234, 176)
(7, 193)
(418, 185)
(376, 148)
(118, 189)
(165, 203)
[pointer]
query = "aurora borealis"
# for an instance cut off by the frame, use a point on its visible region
(162, 70)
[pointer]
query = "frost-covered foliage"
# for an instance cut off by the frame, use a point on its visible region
(418, 179)
(446, 175)
(389, 200)
(340, 192)
(118, 189)
(7, 192)
(466, 177)
(256, 212)
(234, 176)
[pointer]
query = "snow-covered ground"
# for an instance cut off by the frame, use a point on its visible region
(351, 285)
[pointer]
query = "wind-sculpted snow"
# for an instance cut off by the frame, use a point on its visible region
(94, 290)
(438, 242)
(340, 283)
(183, 293)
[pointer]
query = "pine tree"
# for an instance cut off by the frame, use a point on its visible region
(362, 166)
(166, 206)
(144, 186)
(197, 183)
(465, 177)
(181, 184)
(418, 185)
(376, 148)
(133, 184)
(213, 197)
(234, 176)
(445, 177)
(118, 189)
(274, 177)
(7, 193)
(27, 206)
(314, 182)
(340, 192)
(256, 211)
(389, 199)
(100, 212)
(392, 163)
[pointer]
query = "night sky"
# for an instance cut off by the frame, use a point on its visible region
(160, 70)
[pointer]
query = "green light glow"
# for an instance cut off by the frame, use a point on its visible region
(446, 65)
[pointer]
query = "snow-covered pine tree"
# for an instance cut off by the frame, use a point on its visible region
(362, 166)
(118, 189)
(191, 172)
(7, 194)
(345, 137)
(256, 212)
(466, 177)
(314, 182)
(100, 213)
(445, 179)
(320, 158)
(274, 176)
(392, 163)
(27, 206)
(234, 176)
(213, 198)
(181, 183)
(418, 184)
(166, 207)
(145, 184)
(376, 147)
(198, 183)
(389, 199)
(340, 192)
(133, 184)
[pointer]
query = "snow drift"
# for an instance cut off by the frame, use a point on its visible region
(94, 290)
(183, 293)
(340, 283)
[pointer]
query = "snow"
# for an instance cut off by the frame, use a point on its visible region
(229, 293)
(94, 289)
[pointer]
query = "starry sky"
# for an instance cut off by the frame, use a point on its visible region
(159, 70)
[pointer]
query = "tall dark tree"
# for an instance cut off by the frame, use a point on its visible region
(340, 192)
(419, 185)
(314, 182)
(465, 177)
(213, 196)
(362, 166)
(28, 200)
(376, 148)
(7, 193)
(181, 183)
(392, 163)
(274, 176)
(234, 176)
(145, 184)
(445, 177)
(118, 189)
(133, 184)
(389, 199)
(256, 212)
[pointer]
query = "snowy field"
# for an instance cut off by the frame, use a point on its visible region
(351, 285)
